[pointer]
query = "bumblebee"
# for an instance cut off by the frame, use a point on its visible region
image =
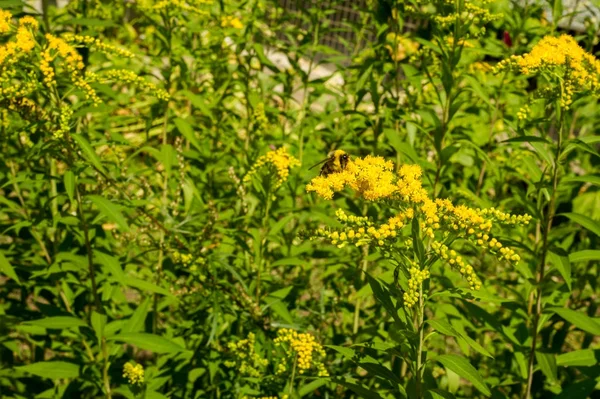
(336, 162)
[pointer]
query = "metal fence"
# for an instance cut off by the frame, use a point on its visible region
(344, 14)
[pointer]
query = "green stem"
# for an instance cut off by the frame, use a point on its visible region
(542, 265)
(165, 188)
(88, 247)
(420, 329)
(291, 388)
(363, 270)
(105, 376)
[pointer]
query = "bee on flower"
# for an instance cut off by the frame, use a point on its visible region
(374, 179)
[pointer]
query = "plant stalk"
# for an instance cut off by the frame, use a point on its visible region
(363, 270)
(543, 256)
(418, 382)
(88, 247)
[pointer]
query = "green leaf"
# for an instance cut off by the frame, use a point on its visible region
(7, 269)
(360, 83)
(578, 319)
(58, 322)
(187, 131)
(110, 210)
(167, 157)
(582, 357)
(111, 264)
(475, 345)
(155, 395)
(348, 353)
(69, 182)
(150, 342)
(311, 386)
(275, 301)
(578, 390)
(557, 11)
(137, 320)
(463, 368)
(592, 179)
(443, 326)
(146, 286)
(585, 221)
(560, 260)
(362, 391)
(376, 369)
(585, 255)
(417, 242)
(543, 152)
(98, 323)
(53, 369)
(438, 394)
(526, 139)
(88, 152)
(547, 363)
(478, 89)
(382, 294)
(264, 60)
(288, 262)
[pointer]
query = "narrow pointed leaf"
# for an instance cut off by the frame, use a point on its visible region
(463, 368)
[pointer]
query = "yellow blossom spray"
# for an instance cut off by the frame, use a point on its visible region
(420, 235)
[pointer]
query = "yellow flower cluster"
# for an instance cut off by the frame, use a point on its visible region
(361, 231)
(182, 258)
(134, 373)
(575, 69)
(17, 90)
(504, 217)
(12, 51)
(459, 43)
(98, 44)
(471, 13)
(373, 178)
(24, 39)
(130, 77)
(176, 4)
(400, 47)
(64, 122)
(260, 118)
(303, 348)
(59, 48)
(524, 112)
(5, 17)
(188, 260)
(248, 361)
(480, 66)
(229, 21)
(456, 261)
(280, 160)
(415, 281)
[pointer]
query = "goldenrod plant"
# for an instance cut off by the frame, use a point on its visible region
(164, 234)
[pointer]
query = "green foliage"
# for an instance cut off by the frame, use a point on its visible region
(157, 238)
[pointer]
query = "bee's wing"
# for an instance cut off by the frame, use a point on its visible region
(320, 163)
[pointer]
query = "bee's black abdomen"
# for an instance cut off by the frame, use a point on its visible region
(327, 169)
